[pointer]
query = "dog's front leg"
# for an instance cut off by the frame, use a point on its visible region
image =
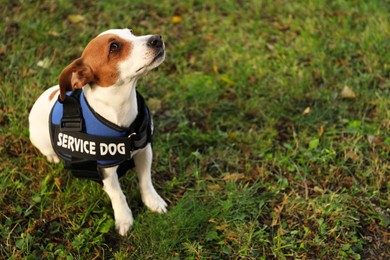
(143, 164)
(122, 212)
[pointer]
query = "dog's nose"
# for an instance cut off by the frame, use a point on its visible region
(155, 41)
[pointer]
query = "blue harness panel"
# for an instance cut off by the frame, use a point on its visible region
(92, 124)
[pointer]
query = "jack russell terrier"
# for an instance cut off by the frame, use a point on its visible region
(99, 124)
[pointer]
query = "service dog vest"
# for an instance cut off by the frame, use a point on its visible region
(87, 142)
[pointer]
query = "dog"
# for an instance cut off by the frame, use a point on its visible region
(107, 73)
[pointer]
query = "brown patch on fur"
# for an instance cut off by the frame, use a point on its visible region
(103, 63)
(97, 64)
(53, 94)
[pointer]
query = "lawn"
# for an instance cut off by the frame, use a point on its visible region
(272, 131)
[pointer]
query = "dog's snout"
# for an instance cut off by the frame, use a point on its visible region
(155, 41)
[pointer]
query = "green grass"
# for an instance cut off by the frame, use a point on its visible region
(257, 151)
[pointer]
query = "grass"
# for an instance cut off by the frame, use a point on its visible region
(258, 150)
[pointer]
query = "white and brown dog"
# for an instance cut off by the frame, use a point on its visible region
(107, 72)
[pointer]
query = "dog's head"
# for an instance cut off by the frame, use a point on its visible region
(114, 57)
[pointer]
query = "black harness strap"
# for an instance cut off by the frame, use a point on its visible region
(92, 147)
(72, 118)
(86, 169)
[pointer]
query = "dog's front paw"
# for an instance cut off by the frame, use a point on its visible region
(53, 158)
(123, 222)
(154, 202)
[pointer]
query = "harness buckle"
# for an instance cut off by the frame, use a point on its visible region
(71, 124)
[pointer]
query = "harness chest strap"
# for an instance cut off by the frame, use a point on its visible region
(82, 145)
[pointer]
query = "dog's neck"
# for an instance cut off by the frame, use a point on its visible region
(117, 103)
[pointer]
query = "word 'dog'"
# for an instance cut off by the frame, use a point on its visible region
(112, 149)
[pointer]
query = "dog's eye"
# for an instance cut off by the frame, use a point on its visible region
(114, 47)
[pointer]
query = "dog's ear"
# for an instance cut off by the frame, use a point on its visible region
(75, 75)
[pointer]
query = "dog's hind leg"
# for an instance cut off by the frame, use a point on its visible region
(122, 212)
(39, 124)
(143, 163)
